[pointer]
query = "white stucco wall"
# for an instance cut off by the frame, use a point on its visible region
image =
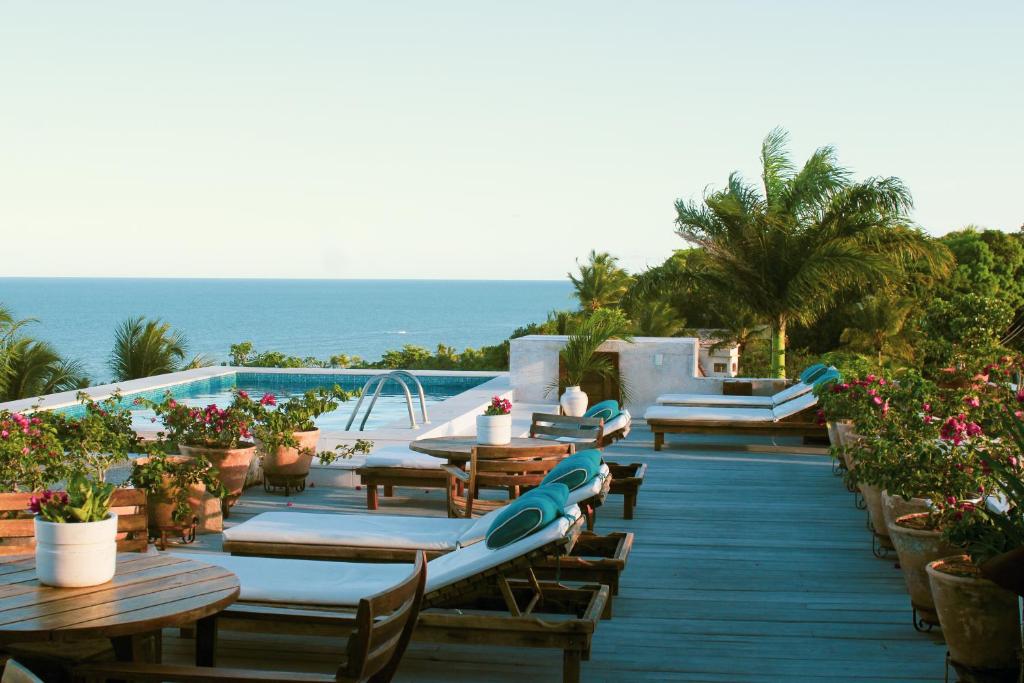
(652, 366)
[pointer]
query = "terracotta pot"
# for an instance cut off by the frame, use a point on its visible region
(894, 507)
(161, 504)
(980, 621)
(916, 548)
(873, 498)
(288, 461)
(232, 465)
(1007, 570)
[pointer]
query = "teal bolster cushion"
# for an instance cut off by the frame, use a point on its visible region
(531, 512)
(605, 410)
(812, 373)
(576, 470)
(827, 377)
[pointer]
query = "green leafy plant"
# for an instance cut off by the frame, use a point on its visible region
(86, 500)
(579, 353)
(275, 424)
(209, 427)
(31, 454)
(102, 438)
(173, 477)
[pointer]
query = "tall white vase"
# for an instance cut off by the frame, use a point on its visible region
(76, 554)
(573, 402)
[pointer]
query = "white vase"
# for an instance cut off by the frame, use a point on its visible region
(76, 554)
(574, 402)
(493, 430)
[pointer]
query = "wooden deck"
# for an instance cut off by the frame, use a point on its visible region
(747, 566)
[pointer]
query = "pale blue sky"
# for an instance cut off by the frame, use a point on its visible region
(471, 139)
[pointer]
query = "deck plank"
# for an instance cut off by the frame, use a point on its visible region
(750, 565)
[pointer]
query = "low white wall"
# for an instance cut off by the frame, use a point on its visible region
(652, 366)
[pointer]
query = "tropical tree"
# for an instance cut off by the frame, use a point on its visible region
(579, 355)
(34, 368)
(143, 348)
(655, 318)
(601, 282)
(879, 325)
(791, 247)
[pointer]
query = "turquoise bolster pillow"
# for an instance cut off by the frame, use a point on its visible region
(831, 375)
(812, 373)
(605, 410)
(531, 512)
(576, 470)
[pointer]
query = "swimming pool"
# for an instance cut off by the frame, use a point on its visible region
(389, 409)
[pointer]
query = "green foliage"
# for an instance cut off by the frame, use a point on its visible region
(601, 281)
(100, 439)
(86, 500)
(143, 348)
(990, 263)
(275, 425)
(173, 476)
(31, 454)
(963, 332)
(578, 354)
(209, 427)
(29, 367)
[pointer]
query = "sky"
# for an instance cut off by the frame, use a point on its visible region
(471, 139)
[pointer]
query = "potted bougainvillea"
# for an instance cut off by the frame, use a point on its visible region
(220, 435)
(494, 427)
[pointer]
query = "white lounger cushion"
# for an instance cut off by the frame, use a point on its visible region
(343, 584)
(707, 414)
(690, 400)
(620, 421)
(591, 488)
(401, 456)
(357, 531)
(798, 404)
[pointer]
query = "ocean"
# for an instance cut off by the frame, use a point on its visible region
(318, 318)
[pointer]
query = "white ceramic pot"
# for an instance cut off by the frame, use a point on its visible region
(573, 402)
(73, 555)
(493, 430)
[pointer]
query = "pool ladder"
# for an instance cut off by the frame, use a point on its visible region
(399, 376)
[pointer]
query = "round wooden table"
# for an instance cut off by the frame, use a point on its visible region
(458, 449)
(148, 593)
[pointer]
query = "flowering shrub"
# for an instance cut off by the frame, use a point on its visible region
(86, 500)
(172, 477)
(499, 406)
(101, 438)
(275, 425)
(31, 455)
(209, 427)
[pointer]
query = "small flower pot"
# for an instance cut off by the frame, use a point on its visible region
(573, 402)
(75, 555)
(288, 467)
(980, 621)
(232, 466)
(493, 430)
(894, 507)
(916, 546)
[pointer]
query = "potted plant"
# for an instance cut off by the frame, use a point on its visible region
(287, 436)
(494, 427)
(219, 435)
(76, 534)
(176, 485)
(580, 359)
(31, 454)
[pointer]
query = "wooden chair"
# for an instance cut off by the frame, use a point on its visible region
(384, 625)
(585, 432)
(17, 530)
(499, 467)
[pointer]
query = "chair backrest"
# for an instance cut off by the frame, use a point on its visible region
(18, 533)
(548, 426)
(511, 468)
(384, 626)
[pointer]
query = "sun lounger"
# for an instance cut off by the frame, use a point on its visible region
(471, 596)
(792, 418)
(597, 558)
(813, 375)
(393, 466)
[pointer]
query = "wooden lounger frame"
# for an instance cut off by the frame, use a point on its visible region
(390, 477)
(490, 608)
(626, 481)
(794, 425)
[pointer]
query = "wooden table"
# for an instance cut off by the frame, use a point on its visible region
(458, 449)
(148, 593)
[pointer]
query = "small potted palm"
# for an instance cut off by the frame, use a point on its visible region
(494, 427)
(580, 360)
(76, 534)
(287, 436)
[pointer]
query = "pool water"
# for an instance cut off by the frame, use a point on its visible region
(389, 409)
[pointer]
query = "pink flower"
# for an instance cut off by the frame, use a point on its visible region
(927, 407)
(972, 401)
(4, 434)
(877, 400)
(951, 500)
(243, 394)
(973, 429)
(268, 400)
(1020, 396)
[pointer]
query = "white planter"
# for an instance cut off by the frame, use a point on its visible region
(574, 402)
(73, 555)
(493, 430)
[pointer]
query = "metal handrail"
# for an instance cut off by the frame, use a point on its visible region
(399, 376)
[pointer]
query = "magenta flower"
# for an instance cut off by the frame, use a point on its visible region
(268, 400)
(243, 394)
(972, 401)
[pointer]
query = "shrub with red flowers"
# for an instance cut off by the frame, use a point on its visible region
(209, 427)
(499, 406)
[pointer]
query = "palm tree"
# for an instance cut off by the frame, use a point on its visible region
(790, 248)
(143, 348)
(36, 369)
(877, 326)
(601, 282)
(655, 318)
(579, 353)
